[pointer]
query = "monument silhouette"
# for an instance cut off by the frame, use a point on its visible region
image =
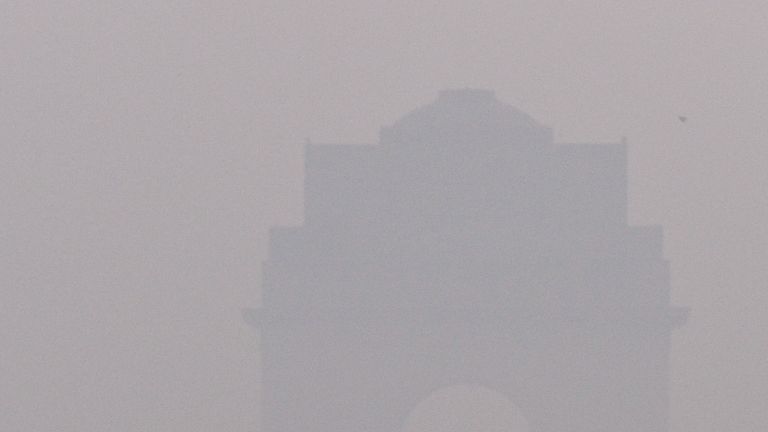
(466, 248)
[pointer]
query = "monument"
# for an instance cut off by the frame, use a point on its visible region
(466, 248)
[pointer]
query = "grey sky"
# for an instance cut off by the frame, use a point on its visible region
(145, 148)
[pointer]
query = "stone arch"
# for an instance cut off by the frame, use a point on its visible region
(378, 301)
(466, 408)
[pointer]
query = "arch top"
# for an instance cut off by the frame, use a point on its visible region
(467, 408)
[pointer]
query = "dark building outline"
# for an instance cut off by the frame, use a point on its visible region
(466, 248)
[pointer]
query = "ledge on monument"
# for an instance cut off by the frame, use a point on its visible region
(465, 113)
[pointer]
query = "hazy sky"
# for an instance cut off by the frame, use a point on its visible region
(147, 146)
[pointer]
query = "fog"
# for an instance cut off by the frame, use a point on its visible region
(147, 148)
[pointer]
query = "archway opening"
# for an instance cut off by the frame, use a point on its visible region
(466, 409)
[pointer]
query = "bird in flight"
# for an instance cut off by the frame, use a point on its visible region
(682, 119)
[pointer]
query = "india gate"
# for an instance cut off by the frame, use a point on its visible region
(466, 247)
